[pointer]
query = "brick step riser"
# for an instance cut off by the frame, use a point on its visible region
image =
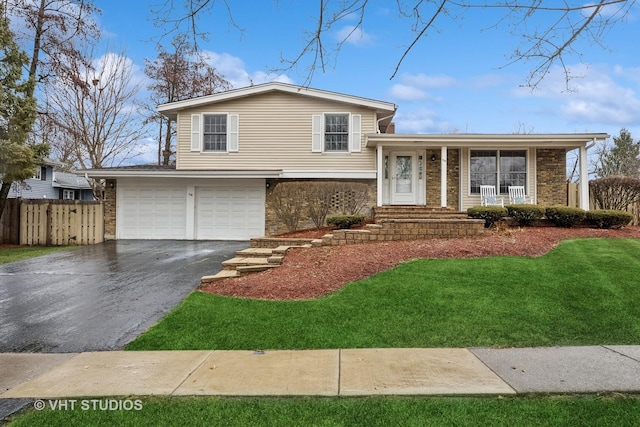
(422, 216)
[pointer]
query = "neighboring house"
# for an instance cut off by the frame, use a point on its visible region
(234, 147)
(51, 183)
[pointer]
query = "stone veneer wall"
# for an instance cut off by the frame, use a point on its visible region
(110, 209)
(551, 176)
(273, 226)
(432, 175)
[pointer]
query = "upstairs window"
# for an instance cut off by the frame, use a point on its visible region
(215, 132)
(336, 132)
(500, 168)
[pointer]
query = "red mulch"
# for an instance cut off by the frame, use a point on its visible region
(311, 273)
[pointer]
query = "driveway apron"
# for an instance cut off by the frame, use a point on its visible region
(100, 297)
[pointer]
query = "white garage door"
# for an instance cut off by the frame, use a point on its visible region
(151, 210)
(230, 210)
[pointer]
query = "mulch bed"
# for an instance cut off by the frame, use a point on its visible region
(314, 272)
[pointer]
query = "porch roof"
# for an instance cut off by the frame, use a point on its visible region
(566, 140)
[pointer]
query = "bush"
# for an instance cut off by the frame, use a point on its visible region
(608, 218)
(525, 214)
(490, 214)
(615, 192)
(345, 221)
(564, 216)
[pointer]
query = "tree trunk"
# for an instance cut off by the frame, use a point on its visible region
(4, 194)
(167, 145)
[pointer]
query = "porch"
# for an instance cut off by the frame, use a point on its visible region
(446, 170)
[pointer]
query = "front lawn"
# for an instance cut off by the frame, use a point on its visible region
(585, 292)
(12, 254)
(532, 411)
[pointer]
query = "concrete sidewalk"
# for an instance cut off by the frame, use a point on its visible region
(350, 372)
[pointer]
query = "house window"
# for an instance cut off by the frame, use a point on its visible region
(215, 132)
(38, 173)
(68, 195)
(336, 132)
(500, 168)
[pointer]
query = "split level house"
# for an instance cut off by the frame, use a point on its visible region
(235, 147)
(51, 182)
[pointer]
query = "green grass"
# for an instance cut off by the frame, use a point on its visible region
(585, 292)
(536, 411)
(8, 255)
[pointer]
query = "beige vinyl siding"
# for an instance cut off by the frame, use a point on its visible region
(470, 200)
(275, 132)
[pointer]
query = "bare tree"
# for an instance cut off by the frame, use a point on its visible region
(178, 75)
(558, 27)
(50, 29)
(93, 108)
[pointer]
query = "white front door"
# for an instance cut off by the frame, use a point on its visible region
(403, 178)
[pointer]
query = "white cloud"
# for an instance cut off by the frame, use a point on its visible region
(425, 81)
(352, 35)
(233, 69)
(407, 93)
(421, 120)
(601, 94)
(414, 87)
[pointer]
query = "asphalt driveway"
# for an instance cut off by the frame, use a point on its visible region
(100, 297)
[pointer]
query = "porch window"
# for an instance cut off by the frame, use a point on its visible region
(336, 132)
(215, 132)
(501, 168)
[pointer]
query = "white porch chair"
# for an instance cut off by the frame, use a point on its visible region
(488, 196)
(517, 196)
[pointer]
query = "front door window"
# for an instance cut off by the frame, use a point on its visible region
(404, 174)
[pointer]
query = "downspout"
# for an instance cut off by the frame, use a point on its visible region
(381, 119)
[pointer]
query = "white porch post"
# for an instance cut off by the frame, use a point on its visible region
(379, 175)
(584, 178)
(443, 177)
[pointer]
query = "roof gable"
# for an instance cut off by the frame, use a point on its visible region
(171, 109)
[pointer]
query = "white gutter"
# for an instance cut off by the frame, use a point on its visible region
(381, 119)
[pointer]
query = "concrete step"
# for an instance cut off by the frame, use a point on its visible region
(254, 268)
(416, 212)
(222, 274)
(255, 253)
(236, 262)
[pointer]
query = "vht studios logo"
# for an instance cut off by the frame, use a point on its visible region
(89, 405)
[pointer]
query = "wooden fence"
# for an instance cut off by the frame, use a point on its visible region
(10, 223)
(47, 222)
(573, 200)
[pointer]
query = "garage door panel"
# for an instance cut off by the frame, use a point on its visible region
(231, 210)
(152, 211)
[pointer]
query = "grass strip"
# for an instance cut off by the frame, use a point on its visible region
(536, 411)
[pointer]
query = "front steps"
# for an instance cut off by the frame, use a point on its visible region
(392, 223)
(251, 260)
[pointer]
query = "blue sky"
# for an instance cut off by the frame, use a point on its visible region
(454, 80)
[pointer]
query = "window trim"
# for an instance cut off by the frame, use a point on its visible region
(527, 154)
(197, 132)
(354, 134)
(66, 192)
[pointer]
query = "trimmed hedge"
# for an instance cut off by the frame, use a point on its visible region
(525, 214)
(490, 214)
(345, 221)
(608, 218)
(564, 216)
